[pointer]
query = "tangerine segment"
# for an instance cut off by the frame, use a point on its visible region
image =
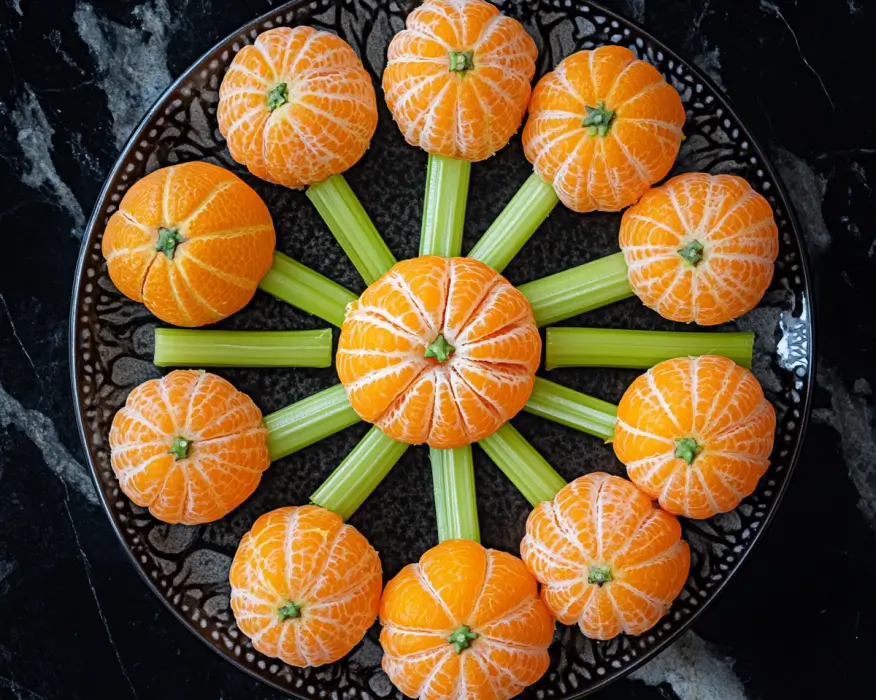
(696, 434)
(305, 587)
(457, 79)
(700, 248)
(439, 350)
(602, 128)
(607, 559)
(189, 447)
(464, 623)
(191, 242)
(297, 106)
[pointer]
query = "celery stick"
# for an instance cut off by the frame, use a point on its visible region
(572, 408)
(342, 211)
(526, 211)
(307, 421)
(578, 289)
(360, 473)
(455, 505)
(175, 347)
(444, 206)
(298, 285)
(604, 347)
(526, 468)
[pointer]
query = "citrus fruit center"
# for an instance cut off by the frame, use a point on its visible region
(599, 574)
(692, 252)
(462, 638)
(599, 119)
(687, 449)
(180, 448)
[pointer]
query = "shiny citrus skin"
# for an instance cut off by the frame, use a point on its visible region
(297, 106)
(215, 469)
(487, 379)
(218, 241)
(728, 234)
(608, 171)
(468, 113)
(305, 587)
(490, 597)
(711, 401)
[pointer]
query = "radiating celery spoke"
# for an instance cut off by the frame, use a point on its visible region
(302, 423)
(572, 408)
(578, 289)
(296, 284)
(342, 211)
(526, 211)
(444, 206)
(527, 469)
(360, 473)
(176, 347)
(455, 503)
(605, 347)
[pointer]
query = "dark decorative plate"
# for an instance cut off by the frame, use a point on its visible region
(111, 347)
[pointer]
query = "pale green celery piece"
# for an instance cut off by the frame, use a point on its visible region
(606, 347)
(455, 499)
(578, 289)
(342, 211)
(444, 206)
(176, 347)
(526, 211)
(527, 469)
(296, 284)
(360, 473)
(572, 408)
(308, 421)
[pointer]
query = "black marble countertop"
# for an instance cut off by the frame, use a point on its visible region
(76, 621)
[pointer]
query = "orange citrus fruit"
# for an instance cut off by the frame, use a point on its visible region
(695, 433)
(465, 623)
(439, 350)
(305, 587)
(297, 106)
(191, 242)
(189, 447)
(457, 79)
(603, 127)
(700, 248)
(606, 557)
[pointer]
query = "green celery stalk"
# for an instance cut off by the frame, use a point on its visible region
(578, 289)
(572, 408)
(455, 504)
(526, 211)
(444, 206)
(342, 211)
(308, 421)
(605, 347)
(296, 284)
(359, 474)
(527, 469)
(175, 347)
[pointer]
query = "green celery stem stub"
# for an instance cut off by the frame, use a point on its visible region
(359, 473)
(572, 408)
(526, 211)
(180, 448)
(289, 611)
(342, 211)
(455, 502)
(687, 449)
(168, 240)
(176, 347)
(599, 574)
(447, 181)
(578, 289)
(296, 284)
(462, 638)
(440, 349)
(609, 347)
(307, 421)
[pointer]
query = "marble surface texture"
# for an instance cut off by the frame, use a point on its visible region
(798, 621)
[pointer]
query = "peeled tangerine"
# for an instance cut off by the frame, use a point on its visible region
(189, 447)
(603, 127)
(439, 350)
(700, 248)
(305, 587)
(464, 624)
(695, 433)
(607, 558)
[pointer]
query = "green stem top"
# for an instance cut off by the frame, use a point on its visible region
(461, 61)
(168, 240)
(290, 610)
(440, 349)
(692, 252)
(599, 574)
(687, 449)
(462, 638)
(278, 96)
(180, 448)
(599, 119)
